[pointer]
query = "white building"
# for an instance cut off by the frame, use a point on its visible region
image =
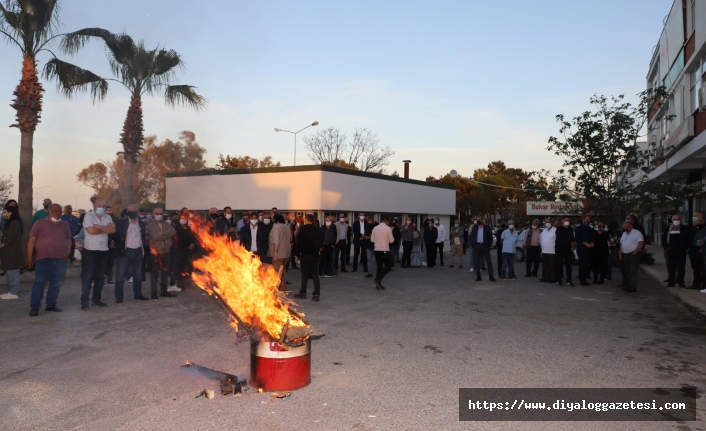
(323, 189)
(679, 63)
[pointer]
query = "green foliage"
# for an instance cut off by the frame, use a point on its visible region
(646, 258)
(245, 162)
(603, 162)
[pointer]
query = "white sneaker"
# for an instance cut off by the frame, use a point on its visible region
(702, 290)
(129, 280)
(74, 263)
(9, 295)
(471, 270)
(173, 289)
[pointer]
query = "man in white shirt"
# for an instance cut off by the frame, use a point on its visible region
(631, 243)
(381, 238)
(547, 241)
(341, 244)
(97, 226)
(440, 238)
(130, 235)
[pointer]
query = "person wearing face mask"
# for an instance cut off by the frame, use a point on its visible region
(160, 232)
(174, 252)
(613, 245)
(430, 233)
(465, 237)
(440, 239)
(696, 256)
(395, 246)
(263, 239)
(292, 225)
(533, 252)
(584, 236)
(407, 233)
(186, 249)
(481, 239)
(498, 249)
(330, 235)
(382, 237)
(469, 245)
(50, 239)
(42, 213)
(72, 220)
(600, 253)
(547, 242)
(129, 243)
(359, 244)
(508, 244)
(456, 240)
(369, 246)
(349, 241)
(247, 235)
(675, 241)
(631, 243)
(95, 253)
(112, 255)
(341, 244)
(225, 225)
(565, 246)
(11, 255)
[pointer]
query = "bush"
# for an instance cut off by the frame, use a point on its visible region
(646, 258)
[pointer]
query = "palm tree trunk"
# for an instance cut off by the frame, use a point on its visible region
(132, 140)
(28, 104)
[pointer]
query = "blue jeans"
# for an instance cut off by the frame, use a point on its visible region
(509, 261)
(50, 271)
(132, 260)
(370, 254)
(13, 281)
(394, 254)
(92, 271)
(470, 255)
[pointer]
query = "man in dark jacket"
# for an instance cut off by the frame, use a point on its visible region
(329, 232)
(430, 235)
(498, 247)
(675, 239)
(255, 236)
(129, 240)
(565, 246)
(695, 255)
(263, 238)
(480, 240)
(309, 244)
(359, 253)
(584, 235)
(601, 250)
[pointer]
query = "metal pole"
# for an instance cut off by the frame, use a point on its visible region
(295, 149)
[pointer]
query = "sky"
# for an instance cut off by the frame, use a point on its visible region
(447, 84)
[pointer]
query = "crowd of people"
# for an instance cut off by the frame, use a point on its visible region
(138, 241)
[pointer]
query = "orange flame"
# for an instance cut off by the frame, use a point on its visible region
(238, 277)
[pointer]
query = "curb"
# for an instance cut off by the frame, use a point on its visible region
(694, 307)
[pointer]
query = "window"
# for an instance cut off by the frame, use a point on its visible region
(696, 84)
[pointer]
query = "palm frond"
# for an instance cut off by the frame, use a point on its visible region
(165, 61)
(120, 46)
(72, 79)
(184, 95)
(29, 23)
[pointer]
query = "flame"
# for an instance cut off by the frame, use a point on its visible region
(238, 277)
(188, 363)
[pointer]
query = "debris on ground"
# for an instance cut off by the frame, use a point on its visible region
(281, 396)
(209, 394)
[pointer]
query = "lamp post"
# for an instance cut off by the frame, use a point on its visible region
(315, 123)
(77, 196)
(454, 174)
(36, 204)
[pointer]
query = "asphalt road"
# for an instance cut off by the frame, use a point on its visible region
(390, 360)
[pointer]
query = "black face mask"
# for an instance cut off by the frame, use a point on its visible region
(214, 216)
(132, 214)
(46, 207)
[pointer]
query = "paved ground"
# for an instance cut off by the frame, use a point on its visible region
(403, 354)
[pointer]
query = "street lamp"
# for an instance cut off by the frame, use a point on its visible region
(36, 205)
(315, 123)
(454, 174)
(77, 196)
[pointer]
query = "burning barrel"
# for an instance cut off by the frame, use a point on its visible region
(277, 367)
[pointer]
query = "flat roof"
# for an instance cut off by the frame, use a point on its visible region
(306, 168)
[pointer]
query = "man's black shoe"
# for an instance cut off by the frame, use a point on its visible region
(355, 270)
(559, 283)
(344, 270)
(141, 298)
(33, 312)
(528, 275)
(118, 301)
(572, 284)
(378, 286)
(670, 285)
(289, 282)
(479, 279)
(629, 289)
(167, 295)
(492, 279)
(665, 281)
(84, 307)
(110, 282)
(682, 285)
(368, 275)
(315, 298)
(155, 297)
(300, 295)
(54, 309)
(100, 304)
(585, 283)
(442, 263)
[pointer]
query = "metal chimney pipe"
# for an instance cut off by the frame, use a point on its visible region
(406, 168)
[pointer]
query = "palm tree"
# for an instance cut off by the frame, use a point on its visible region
(138, 69)
(30, 25)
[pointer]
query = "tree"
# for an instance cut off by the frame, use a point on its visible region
(603, 162)
(245, 162)
(5, 188)
(149, 184)
(30, 25)
(141, 71)
(331, 147)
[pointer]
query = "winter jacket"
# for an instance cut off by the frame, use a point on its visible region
(11, 253)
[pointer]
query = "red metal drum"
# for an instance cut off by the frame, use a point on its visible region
(274, 369)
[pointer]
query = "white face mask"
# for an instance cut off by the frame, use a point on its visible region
(229, 216)
(535, 226)
(341, 220)
(260, 218)
(158, 217)
(361, 218)
(605, 229)
(183, 221)
(407, 222)
(55, 220)
(548, 225)
(566, 224)
(266, 221)
(676, 222)
(512, 226)
(328, 223)
(436, 222)
(455, 224)
(475, 221)
(253, 221)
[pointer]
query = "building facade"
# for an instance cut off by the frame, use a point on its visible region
(679, 63)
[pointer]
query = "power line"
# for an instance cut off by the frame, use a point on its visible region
(505, 187)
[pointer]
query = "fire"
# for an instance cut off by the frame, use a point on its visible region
(247, 287)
